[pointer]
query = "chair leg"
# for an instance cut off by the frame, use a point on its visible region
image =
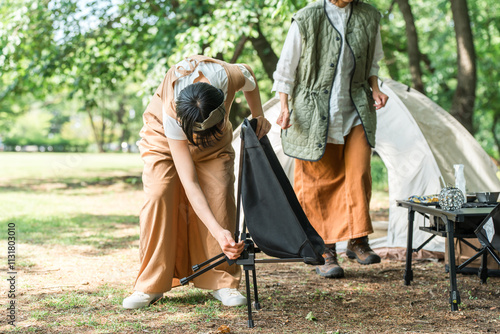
(256, 303)
(199, 272)
(249, 299)
(493, 255)
(483, 269)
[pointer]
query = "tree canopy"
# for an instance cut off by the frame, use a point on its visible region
(103, 58)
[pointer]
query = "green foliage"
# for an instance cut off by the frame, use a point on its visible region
(487, 43)
(109, 55)
(435, 31)
(27, 56)
(380, 180)
(50, 129)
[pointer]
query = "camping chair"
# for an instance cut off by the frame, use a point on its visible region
(276, 223)
(488, 233)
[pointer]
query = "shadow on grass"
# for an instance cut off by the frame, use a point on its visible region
(100, 310)
(192, 296)
(104, 232)
(71, 183)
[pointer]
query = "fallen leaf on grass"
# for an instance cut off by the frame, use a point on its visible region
(223, 329)
(349, 300)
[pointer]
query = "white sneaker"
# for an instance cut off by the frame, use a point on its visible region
(140, 299)
(230, 297)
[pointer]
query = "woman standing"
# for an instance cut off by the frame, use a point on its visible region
(189, 212)
(328, 68)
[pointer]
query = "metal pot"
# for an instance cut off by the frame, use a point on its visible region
(487, 197)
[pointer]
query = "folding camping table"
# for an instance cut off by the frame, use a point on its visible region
(458, 224)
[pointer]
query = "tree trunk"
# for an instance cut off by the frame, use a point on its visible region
(462, 107)
(239, 48)
(265, 52)
(103, 133)
(120, 119)
(98, 141)
(219, 56)
(413, 49)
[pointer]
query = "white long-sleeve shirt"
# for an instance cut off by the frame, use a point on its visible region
(343, 115)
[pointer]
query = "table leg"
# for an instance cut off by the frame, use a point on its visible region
(454, 294)
(483, 270)
(408, 275)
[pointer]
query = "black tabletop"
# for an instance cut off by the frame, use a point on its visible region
(456, 215)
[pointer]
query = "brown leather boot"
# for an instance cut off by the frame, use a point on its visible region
(331, 268)
(360, 250)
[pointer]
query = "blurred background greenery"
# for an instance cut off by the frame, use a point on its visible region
(75, 76)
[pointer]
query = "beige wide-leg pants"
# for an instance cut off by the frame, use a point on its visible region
(172, 237)
(335, 191)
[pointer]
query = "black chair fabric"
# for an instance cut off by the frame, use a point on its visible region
(488, 232)
(273, 215)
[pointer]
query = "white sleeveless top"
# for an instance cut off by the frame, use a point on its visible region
(217, 76)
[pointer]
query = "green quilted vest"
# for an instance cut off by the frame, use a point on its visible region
(307, 137)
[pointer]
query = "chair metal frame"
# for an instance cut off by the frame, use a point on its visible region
(486, 248)
(247, 258)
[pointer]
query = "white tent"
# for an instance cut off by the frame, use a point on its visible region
(419, 143)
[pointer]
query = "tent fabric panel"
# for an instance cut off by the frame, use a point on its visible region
(411, 167)
(449, 141)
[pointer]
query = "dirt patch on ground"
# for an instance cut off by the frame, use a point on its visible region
(70, 289)
(78, 287)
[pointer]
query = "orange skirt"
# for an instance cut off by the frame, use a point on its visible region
(335, 191)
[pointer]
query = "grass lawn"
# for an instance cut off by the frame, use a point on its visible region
(18, 168)
(69, 199)
(77, 232)
(76, 223)
(75, 218)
